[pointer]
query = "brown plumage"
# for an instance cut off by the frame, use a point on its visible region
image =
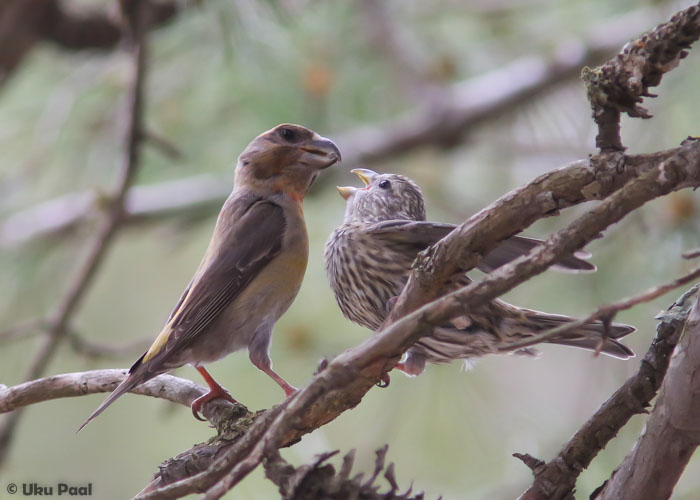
(252, 269)
(368, 259)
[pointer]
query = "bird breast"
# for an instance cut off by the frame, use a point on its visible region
(364, 274)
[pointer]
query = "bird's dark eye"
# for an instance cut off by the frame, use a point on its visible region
(385, 184)
(289, 134)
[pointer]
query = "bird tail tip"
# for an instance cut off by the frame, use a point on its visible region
(128, 384)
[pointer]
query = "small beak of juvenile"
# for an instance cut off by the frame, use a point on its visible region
(346, 191)
(366, 175)
(323, 147)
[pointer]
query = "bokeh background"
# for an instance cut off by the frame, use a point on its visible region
(222, 72)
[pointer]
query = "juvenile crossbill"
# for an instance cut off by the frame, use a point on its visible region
(252, 269)
(368, 260)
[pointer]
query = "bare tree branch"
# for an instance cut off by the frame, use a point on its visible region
(691, 254)
(224, 416)
(175, 389)
(58, 321)
(22, 330)
(578, 182)
(557, 478)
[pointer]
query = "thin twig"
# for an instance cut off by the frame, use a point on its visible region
(691, 254)
(58, 321)
(163, 145)
(23, 330)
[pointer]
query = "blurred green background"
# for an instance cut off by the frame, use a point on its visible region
(222, 72)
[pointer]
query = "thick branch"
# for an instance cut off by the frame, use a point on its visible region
(580, 181)
(681, 169)
(219, 412)
(556, 479)
(175, 389)
(672, 432)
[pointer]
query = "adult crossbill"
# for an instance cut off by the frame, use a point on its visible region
(368, 260)
(252, 269)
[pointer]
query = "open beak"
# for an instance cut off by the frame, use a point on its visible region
(346, 191)
(366, 175)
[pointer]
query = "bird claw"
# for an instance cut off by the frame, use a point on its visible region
(195, 412)
(384, 381)
(219, 392)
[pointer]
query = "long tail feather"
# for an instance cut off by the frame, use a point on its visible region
(129, 383)
(588, 336)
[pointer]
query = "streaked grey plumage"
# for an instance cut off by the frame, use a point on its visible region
(368, 260)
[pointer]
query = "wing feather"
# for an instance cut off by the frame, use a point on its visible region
(419, 235)
(243, 250)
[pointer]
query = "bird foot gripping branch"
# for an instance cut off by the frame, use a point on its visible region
(215, 391)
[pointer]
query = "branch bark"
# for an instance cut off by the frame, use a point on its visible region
(223, 415)
(175, 389)
(671, 434)
(619, 85)
(580, 181)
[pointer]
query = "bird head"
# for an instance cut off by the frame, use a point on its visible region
(286, 159)
(384, 197)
